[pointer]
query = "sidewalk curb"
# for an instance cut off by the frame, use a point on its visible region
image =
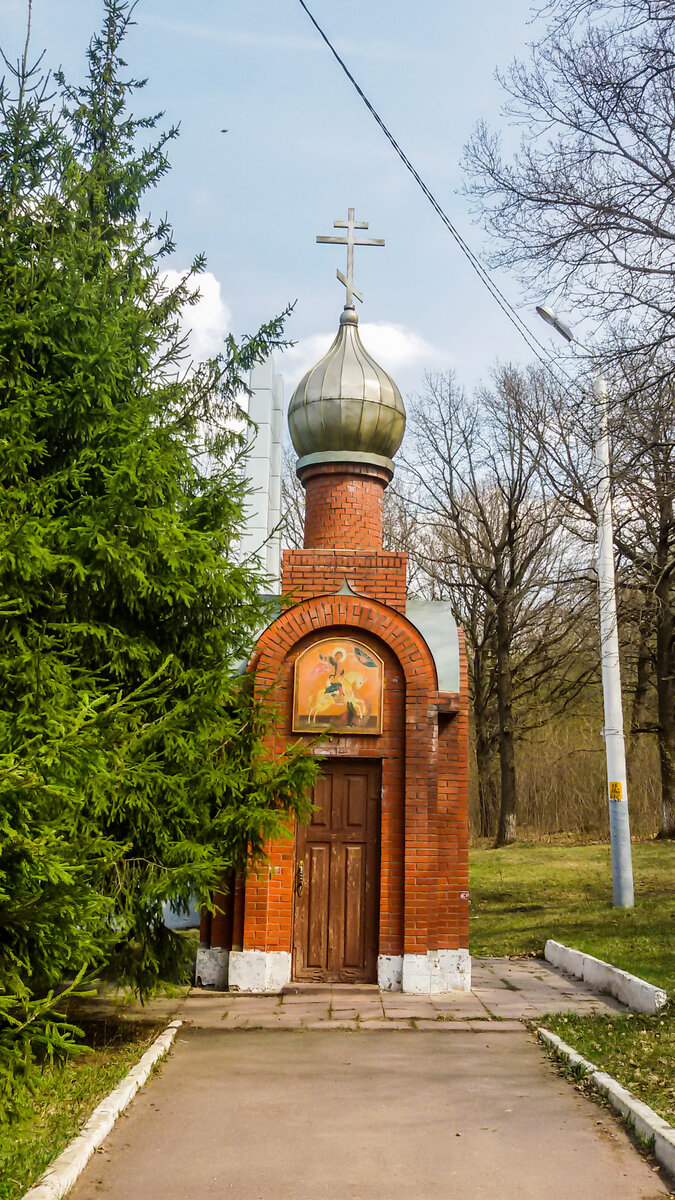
(648, 1125)
(632, 991)
(62, 1173)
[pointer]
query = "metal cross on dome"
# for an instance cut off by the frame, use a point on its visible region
(350, 242)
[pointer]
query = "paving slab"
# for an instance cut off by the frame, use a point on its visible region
(285, 1115)
(375, 1009)
(324, 1026)
(416, 1009)
(503, 988)
(504, 984)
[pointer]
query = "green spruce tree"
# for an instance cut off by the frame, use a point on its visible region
(131, 760)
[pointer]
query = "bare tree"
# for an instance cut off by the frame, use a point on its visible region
(437, 562)
(403, 530)
(292, 503)
(632, 14)
(643, 466)
(586, 205)
(496, 542)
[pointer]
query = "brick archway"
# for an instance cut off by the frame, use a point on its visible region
(324, 612)
(424, 868)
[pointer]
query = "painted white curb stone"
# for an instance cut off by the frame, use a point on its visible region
(632, 991)
(646, 1123)
(62, 1173)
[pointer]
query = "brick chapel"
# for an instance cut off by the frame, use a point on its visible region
(375, 888)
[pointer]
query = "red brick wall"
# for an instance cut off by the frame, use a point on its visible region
(424, 853)
(451, 909)
(343, 506)
(307, 573)
(273, 893)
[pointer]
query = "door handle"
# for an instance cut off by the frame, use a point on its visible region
(300, 878)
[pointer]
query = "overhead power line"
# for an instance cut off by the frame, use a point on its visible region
(537, 347)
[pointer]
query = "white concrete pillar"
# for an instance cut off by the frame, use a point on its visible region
(263, 471)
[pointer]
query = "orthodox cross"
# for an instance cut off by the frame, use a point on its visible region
(350, 242)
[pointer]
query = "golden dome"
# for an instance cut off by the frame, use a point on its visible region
(347, 405)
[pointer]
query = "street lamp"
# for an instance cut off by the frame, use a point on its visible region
(619, 826)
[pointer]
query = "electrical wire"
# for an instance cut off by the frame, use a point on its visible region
(538, 348)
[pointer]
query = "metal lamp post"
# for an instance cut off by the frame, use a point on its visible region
(619, 826)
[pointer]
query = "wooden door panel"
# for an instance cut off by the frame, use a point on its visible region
(317, 905)
(323, 789)
(357, 799)
(336, 912)
(354, 908)
(335, 917)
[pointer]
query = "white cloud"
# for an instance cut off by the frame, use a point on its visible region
(207, 321)
(398, 348)
(401, 351)
(297, 359)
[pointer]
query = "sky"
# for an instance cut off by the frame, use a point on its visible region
(301, 148)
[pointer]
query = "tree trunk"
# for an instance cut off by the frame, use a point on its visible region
(638, 716)
(506, 830)
(484, 750)
(486, 795)
(665, 691)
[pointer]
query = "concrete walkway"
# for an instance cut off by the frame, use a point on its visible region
(362, 1095)
(380, 1115)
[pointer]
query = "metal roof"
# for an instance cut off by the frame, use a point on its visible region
(434, 620)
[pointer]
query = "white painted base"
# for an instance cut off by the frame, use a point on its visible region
(636, 993)
(259, 970)
(389, 972)
(436, 971)
(211, 968)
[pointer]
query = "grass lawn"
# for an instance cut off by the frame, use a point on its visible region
(63, 1097)
(638, 1051)
(522, 895)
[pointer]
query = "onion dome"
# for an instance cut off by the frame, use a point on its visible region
(347, 408)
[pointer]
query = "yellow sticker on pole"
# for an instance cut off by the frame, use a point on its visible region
(615, 790)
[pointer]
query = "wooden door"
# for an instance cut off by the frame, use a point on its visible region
(337, 880)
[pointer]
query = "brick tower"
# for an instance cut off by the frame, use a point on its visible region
(375, 888)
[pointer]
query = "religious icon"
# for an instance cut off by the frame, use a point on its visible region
(338, 686)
